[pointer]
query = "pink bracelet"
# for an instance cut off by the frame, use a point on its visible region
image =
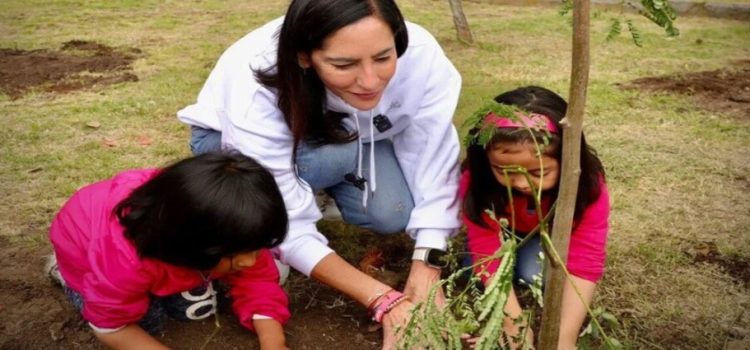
(387, 303)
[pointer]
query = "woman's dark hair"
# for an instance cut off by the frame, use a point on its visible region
(204, 208)
(486, 192)
(301, 93)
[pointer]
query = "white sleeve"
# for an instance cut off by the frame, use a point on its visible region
(203, 113)
(428, 150)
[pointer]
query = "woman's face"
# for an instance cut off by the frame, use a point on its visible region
(356, 62)
(504, 155)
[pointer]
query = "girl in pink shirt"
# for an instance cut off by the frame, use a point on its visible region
(150, 242)
(498, 143)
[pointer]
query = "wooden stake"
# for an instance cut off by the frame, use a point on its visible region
(572, 124)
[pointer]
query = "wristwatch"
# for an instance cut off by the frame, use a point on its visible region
(435, 258)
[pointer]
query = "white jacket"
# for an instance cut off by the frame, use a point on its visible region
(419, 101)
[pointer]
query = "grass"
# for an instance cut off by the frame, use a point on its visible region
(678, 175)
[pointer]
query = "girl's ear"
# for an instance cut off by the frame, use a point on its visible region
(303, 59)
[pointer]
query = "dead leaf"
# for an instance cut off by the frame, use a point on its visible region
(110, 142)
(94, 124)
(34, 170)
(144, 140)
(372, 262)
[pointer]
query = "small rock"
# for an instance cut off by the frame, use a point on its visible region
(56, 331)
(94, 124)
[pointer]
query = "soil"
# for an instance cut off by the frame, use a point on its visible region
(77, 65)
(37, 315)
(736, 266)
(724, 90)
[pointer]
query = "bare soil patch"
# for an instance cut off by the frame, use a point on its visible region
(37, 315)
(725, 90)
(77, 65)
(737, 267)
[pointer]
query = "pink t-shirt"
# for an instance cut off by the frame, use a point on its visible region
(97, 261)
(588, 241)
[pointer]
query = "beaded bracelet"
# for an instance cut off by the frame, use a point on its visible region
(388, 302)
(371, 300)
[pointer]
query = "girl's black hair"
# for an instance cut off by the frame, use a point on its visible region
(204, 208)
(485, 192)
(301, 93)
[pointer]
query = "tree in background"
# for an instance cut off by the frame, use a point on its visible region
(459, 19)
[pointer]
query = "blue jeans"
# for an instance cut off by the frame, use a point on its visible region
(527, 261)
(324, 167)
(202, 303)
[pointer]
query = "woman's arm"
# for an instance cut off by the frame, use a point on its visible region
(270, 334)
(130, 337)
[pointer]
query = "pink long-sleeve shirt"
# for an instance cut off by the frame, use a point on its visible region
(97, 261)
(588, 241)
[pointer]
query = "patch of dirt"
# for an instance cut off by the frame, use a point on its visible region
(77, 65)
(737, 267)
(37, 315)
(724, 90)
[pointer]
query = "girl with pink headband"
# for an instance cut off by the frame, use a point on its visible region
(498, 142)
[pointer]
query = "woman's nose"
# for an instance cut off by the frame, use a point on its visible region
(368, 77)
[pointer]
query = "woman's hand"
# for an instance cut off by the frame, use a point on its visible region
(394, 323)
(420, 281)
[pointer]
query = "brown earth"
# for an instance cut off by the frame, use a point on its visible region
(37, 315)
(77, 65)
(724, 90)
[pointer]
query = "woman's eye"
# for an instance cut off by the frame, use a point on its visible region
(343, 66)
(383, 59)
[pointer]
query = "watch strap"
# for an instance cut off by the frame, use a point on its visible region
(420, 254)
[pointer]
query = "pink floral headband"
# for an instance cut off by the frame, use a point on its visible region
(531, 120)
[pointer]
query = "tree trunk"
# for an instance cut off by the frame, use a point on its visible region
(572, 124)
(459, 19)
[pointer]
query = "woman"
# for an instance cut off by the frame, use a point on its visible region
(344, 96)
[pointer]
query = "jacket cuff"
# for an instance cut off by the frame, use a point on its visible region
(432, 238)
(306, 255)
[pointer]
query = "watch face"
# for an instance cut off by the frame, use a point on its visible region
(437, 258)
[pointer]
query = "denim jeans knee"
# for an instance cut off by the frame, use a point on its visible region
(528, 264)
(204, 140)
(152, 322)
(325, 168)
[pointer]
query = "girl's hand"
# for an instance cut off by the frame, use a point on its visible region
(395, 321)
(131, 336)
(270, 334)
